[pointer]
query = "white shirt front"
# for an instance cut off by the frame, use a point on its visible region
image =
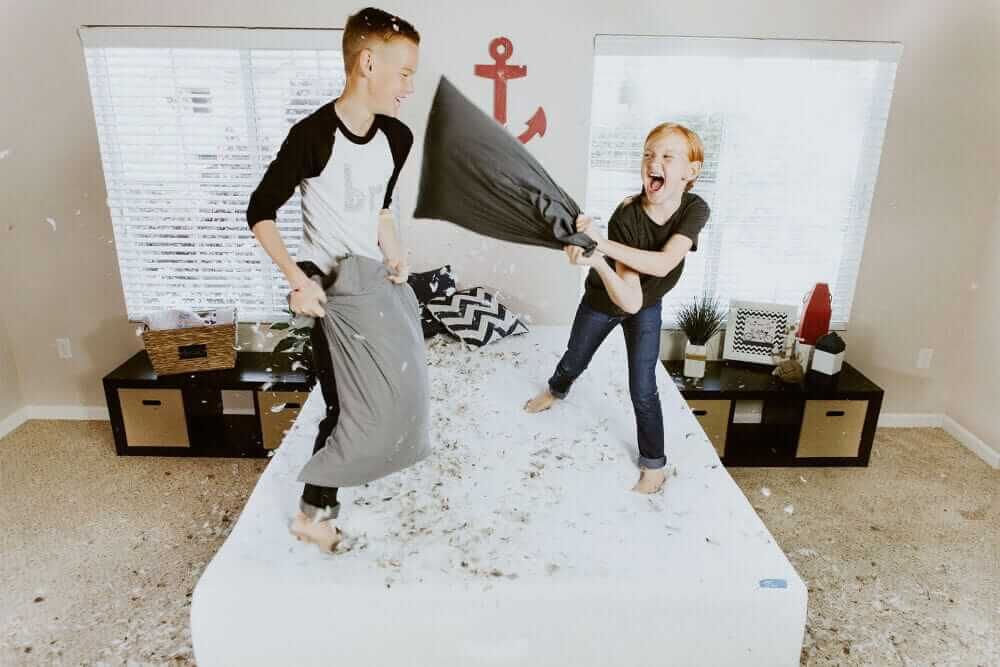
(340, 206)
(345, 181)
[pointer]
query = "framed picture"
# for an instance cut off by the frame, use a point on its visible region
(756, 331)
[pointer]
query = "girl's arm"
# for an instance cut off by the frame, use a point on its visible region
(657, 263)
(622, 282)
(649, 262)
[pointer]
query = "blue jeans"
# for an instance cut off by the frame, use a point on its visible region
(642, 340)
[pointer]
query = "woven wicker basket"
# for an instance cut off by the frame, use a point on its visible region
(193, 349)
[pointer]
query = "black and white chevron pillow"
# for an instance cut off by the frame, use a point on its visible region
(475, 316)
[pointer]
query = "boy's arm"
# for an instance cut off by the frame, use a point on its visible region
(266, 233)
(277, 185)
(306, 296)
(391, 247)
(400, 142)
(282, 176)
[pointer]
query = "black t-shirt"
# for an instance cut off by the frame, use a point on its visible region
(631, 226)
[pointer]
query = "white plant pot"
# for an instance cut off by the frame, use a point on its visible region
(694, 360)
(826, 363)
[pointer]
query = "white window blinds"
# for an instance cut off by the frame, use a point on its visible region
(793, 133)
(188, 120)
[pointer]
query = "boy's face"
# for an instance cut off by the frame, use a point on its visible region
(389, 74)
(666, 169)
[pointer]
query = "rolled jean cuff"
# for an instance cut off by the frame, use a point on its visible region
(652, 464)
(555, 392)
(311, 510)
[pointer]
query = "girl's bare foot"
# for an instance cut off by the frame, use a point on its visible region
(650, 481)
(541, 402)
(321, 533)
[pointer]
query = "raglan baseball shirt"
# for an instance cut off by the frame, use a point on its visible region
(345, 180)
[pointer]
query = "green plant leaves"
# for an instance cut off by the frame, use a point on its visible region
(701, 319)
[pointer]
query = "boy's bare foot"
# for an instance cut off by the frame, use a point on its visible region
(321, 533)
(650, 481)
(541, 402)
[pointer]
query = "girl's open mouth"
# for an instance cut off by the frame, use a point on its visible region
(655, 183)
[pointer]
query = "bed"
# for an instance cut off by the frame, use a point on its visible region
(517, 541)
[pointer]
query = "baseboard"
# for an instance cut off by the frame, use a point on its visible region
(13, 421)
(935, 420)
(71, 412)
(972, 442)
(910, 420)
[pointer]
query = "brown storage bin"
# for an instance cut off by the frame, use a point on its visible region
(190, 350)
(154, 417)
(713, 415)
(831, 428)
(274, 421)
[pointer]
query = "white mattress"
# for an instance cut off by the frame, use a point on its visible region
(518, 541)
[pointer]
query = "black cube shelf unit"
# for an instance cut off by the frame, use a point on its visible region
(237, 412)
(824, 421)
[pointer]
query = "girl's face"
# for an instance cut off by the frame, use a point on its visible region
(666, 170)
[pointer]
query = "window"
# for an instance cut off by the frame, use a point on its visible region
(188, 120)
(793, 134)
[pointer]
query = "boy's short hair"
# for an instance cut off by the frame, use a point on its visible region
(696, 149)
(373, 24)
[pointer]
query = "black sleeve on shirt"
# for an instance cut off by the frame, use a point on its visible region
(693, 221)
(400, 141)
(620, 231)
(284, 173)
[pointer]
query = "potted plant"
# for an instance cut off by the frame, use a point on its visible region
(699, 320)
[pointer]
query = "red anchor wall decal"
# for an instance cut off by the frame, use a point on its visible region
(501, 50)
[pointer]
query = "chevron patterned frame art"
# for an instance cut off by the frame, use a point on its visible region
(755, 331)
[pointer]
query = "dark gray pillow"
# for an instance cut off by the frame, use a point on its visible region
(429, 285)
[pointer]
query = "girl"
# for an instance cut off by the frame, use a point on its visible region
(648, 237)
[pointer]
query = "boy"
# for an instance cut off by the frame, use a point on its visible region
(648, 237)
(345, 157)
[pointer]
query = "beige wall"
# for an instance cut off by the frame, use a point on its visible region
(10, 386)
(11, 399)
(934, 199)
(930, 212)
(975, 382)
